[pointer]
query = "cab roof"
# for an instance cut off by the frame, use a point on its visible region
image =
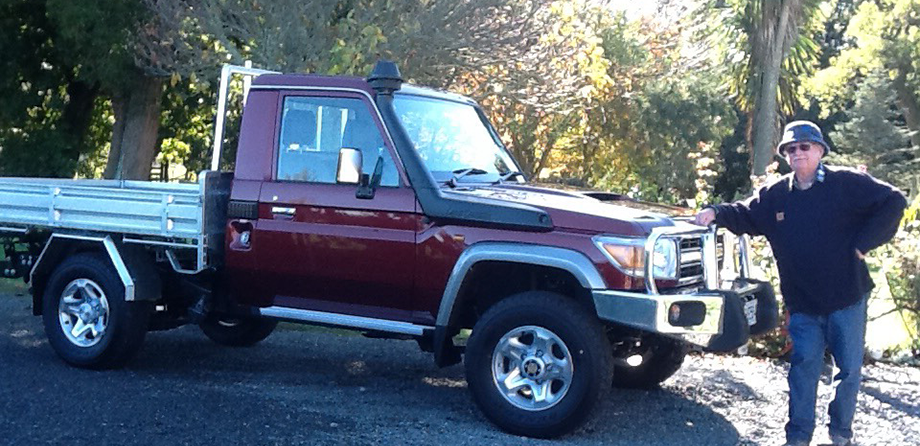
(294, 81)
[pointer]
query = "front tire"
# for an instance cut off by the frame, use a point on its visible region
(537, 364)
(237, 331)
(87, 320)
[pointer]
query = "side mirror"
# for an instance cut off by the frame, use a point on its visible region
(368, 185)
(348, 170)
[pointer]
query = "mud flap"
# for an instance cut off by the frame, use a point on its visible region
(445, 352)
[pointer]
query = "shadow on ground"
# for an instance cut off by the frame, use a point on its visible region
(298, 387)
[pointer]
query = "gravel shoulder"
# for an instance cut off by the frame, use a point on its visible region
(319, 386)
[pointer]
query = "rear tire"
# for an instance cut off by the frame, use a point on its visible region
(237, 331)
(661, 358)
(87, 320)
(537, 363)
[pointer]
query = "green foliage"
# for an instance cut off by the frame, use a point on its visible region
(672, 142)
(37, 154)
(97, 38)
(654, 133)
(32, 95)
(58, 55)
(187, 122)
(835, 37)
(900, 262)
(729, 30)
(99, 140)
(873, 81)
(873, 134)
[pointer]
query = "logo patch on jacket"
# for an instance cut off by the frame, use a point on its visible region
(780, 216)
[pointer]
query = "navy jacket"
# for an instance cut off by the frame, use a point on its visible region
(815, 233)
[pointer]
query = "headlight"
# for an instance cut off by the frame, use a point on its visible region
(665, 259)
(628, 255)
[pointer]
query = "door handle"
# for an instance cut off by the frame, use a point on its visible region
(283, 211)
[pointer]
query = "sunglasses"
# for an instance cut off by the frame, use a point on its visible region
(792, 148)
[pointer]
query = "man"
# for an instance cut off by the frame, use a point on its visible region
(820, 222)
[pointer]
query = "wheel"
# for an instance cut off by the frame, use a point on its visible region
(537, 363)
(656, 358)
(87, 320)
(237, 331)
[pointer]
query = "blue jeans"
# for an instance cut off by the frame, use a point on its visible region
(843, 332)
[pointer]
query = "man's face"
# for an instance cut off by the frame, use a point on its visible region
(803, 157)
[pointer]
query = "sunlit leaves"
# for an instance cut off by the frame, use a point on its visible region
(874, 80)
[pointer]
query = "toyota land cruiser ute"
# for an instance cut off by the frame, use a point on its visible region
(393, 210)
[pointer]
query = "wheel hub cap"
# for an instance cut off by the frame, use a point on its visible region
(83, 312)
(532, 368)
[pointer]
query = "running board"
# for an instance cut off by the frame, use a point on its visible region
(344, 320)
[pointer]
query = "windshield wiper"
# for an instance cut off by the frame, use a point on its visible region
(460, 173)
(508, 176)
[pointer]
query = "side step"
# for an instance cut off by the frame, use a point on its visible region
(345, 320)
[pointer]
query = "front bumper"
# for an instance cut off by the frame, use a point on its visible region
(724, 324)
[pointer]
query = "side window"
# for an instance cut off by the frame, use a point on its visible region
(314, 129)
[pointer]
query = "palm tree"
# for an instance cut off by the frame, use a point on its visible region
(765, 50)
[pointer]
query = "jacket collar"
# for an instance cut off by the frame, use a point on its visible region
(819, 177)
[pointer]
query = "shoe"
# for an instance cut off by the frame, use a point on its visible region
(837, 440)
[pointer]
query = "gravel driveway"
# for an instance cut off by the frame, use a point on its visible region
(318, 386)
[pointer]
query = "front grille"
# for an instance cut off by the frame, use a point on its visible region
(691, 259)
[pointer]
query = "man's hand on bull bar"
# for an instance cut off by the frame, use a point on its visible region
(705, 217)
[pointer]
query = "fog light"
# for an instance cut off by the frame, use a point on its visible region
(686, 314)
(634, 360)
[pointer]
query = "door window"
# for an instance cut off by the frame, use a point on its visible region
(314, 129)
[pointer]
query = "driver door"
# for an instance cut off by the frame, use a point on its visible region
(319, 247)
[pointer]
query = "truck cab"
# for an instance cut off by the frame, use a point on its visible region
(397, 210)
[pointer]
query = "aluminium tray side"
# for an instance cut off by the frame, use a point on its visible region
(167, 210)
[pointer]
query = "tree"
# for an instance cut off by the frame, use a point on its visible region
(104, 37)
(653, 129)
(765, 45)
(87, 47)
(529, 62)
(873, 81)
(873, 135)
(540, 97)
(336, 37)
(46, 108)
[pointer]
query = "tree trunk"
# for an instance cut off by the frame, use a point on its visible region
(134, 135)
(749, 136)
(118, 131)
(764, 126)
(552, 137)
(77, 113)
(907, 101)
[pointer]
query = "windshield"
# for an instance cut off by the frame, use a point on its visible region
(451, 137)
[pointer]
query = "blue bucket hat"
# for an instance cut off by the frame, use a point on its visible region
(801, 131)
